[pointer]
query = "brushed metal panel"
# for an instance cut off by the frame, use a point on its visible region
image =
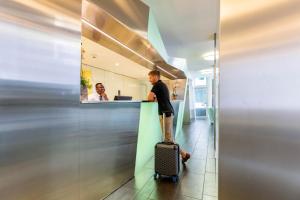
(46, 151)
(108, 141)
(39, 94)
(259, 100)
(133, 14)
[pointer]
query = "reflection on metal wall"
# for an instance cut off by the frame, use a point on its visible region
(259, 100)
(39, 90)
(134, 14)
(50, 148)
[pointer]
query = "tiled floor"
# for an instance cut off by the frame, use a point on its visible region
(197, 178)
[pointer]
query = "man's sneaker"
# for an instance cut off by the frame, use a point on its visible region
(187, 156)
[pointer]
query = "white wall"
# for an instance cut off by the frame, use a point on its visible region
(114, 82)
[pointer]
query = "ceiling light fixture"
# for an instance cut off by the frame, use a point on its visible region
(162, 69)
(123, 45)
(207, 71)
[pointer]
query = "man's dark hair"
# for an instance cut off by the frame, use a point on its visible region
(154, 73)
(98, 84)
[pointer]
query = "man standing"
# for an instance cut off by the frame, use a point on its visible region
(160, 93)
(100, 94)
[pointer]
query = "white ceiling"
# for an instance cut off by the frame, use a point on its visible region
(187, 28)
(106, 59)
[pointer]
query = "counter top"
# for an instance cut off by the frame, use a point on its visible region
(135, 101)
(105, 102)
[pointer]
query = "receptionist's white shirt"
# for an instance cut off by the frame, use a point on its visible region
(95, 97)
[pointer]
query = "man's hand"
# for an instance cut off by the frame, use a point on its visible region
(151, 96)
(105, 96)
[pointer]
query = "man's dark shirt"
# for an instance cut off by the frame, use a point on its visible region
(161, 92)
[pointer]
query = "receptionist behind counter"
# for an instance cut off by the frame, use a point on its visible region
(100, 94)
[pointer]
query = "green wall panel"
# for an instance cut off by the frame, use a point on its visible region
(179, 119)
(149, 134)
(155, 38)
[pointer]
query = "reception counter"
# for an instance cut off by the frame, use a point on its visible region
(108, 139)
(117, 140)
(60, 150)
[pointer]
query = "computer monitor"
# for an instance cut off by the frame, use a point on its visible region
(123, 98)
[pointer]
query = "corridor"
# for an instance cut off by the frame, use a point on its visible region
(197, 178)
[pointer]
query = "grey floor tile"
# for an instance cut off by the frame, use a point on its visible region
(199, 155)
(141, 178)
(123, 193)
(206, 197)
(196, 166)
(210, 177)
(210, 190)
(148, 188)
(210, 185)
(211, 154)
(197, 177)
(131, 184)
(141, 196)
(200, 147)
(164, 189)
(191, 185)
(182, 197)
(211, 165)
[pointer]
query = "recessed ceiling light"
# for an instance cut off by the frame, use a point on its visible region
(206, 71)
(210, 56)
(117, 64)
(209, 71)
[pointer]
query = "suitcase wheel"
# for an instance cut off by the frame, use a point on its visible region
(175, 179)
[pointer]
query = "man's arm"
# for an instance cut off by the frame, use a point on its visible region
(151, 96)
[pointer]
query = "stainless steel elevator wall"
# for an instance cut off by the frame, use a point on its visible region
(51, 147)
(259, 100)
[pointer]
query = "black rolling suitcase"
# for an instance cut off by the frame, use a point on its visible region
(167, 159)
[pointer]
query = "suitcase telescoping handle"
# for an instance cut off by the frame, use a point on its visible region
(164, 130)
(164, 125)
